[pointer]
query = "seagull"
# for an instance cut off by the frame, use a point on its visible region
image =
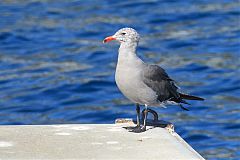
(142, 83)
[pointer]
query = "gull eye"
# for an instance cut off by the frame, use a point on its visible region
(123, 33)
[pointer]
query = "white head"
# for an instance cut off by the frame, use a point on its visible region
(124, 35)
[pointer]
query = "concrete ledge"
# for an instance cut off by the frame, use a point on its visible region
(92, 141)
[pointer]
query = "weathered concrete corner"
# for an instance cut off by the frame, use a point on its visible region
(92, 141)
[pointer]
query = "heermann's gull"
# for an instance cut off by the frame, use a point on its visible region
(142, 83)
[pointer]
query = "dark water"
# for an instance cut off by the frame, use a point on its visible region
(55, 69)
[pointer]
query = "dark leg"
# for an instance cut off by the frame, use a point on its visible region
(154, 113)
(136, 129)
(138, 114)
(145, 119)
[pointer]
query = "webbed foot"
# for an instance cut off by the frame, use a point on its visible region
(138, 129)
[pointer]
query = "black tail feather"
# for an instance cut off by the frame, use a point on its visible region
(180, 100)
(183, 101)
(190, 97)
(183, 107)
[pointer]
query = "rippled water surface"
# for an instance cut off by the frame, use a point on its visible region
(55, 69)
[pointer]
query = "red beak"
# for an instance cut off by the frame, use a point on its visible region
(108, 39)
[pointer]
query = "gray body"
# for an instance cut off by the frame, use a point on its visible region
(129, 78)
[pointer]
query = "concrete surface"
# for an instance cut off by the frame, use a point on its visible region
(92, 141)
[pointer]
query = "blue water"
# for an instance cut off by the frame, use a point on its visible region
(54, 68)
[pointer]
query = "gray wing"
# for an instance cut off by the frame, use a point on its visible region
(158, 80)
